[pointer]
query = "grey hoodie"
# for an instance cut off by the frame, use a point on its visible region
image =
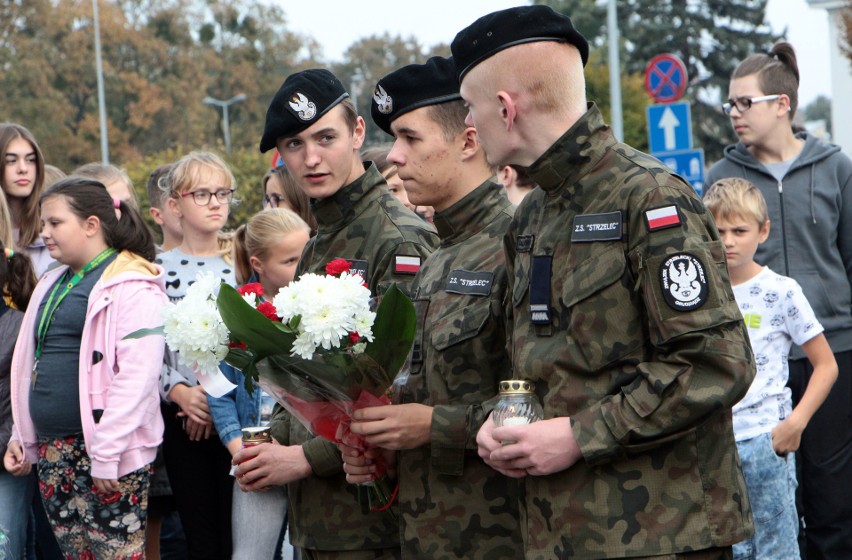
(811, 233)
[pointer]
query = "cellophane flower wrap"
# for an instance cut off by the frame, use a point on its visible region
(325, 353)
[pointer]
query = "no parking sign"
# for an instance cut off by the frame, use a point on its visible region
(665, 78)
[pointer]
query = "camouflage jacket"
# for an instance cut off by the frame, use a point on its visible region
(624, 317)
(365, 224)
(453, 505)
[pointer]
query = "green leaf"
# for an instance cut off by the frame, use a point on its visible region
(142, 333)
(393, 331)
(248, 325)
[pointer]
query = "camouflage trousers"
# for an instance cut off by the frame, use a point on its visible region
(724, 553)
(376, 554)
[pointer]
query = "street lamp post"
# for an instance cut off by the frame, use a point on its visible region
(226, 123)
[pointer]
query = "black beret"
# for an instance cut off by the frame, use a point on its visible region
(301, 100)
(412, 87)
(500, 30)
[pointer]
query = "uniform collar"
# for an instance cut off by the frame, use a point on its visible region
(572, 156)
(340, 209)
(471, 214)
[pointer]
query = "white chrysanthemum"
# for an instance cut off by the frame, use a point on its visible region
(329, 309)
(194, 328)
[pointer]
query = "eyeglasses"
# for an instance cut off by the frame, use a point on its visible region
(274, 200)
(202, 198)
(743, 104)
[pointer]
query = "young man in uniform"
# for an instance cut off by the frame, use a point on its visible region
(622, 315)
(452, 505)
(319, 135)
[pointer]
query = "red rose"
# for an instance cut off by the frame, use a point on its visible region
(254, 288)
(110, 498)
(337, 267)
(354, 337)
(237, 345)
(268, 311)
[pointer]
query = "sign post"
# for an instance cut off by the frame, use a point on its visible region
(670, 123)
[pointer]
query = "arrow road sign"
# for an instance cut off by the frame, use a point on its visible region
(669, 127)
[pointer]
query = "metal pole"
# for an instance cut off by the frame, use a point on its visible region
(614, 72)
(227, 129)
(99, 69)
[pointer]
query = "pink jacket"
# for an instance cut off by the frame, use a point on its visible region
(122, 384)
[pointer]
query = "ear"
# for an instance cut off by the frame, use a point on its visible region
(156, 215)
(256, 265)
(783, 105)
(471, 145)
(764, 231)
(359, 132)
(507, 175)
(92, 226)
(172, 204)
(508, 109)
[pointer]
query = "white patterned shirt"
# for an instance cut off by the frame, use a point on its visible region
(777, 315)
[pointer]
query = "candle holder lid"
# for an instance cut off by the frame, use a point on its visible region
(516, 387)
(256, 434)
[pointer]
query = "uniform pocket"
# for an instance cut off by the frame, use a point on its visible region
(459, 325)
(597, 307)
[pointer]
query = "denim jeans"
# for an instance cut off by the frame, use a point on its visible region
(16, 495)
(771, 484)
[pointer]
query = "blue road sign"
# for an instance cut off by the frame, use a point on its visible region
(669, 127)
(689, 164)
(665, 78)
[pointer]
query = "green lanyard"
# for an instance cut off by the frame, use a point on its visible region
(50, 307)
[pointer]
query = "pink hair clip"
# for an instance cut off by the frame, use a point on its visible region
(116, 202)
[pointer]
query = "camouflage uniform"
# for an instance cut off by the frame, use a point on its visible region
(647, 380)
(362, 222)
(452, 504)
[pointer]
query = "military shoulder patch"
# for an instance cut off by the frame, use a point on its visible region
(662, 218)
(406, 264)
(683, 282)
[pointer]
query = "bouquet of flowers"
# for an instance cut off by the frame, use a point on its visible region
(318, 347)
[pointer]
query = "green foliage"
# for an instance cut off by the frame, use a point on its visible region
(247, 165)
(819, 109)
(634, 99)
(711, 37)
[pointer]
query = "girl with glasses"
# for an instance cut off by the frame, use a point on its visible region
(201, 189)
(807, 185)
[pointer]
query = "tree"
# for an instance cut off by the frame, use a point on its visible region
(711, 37)
(634, 99)
(369, 59)
(819, 110)
(846, 31)
(160, 58)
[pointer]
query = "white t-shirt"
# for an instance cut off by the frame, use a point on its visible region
(777, 315)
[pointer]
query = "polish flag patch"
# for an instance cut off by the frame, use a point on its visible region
(662, 218)
(404, 264)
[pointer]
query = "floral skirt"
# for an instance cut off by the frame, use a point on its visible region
(89, 524)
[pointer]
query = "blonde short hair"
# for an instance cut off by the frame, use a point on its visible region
(735, 197)
(259, 236)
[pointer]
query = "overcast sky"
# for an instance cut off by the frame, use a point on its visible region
(336, 24)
